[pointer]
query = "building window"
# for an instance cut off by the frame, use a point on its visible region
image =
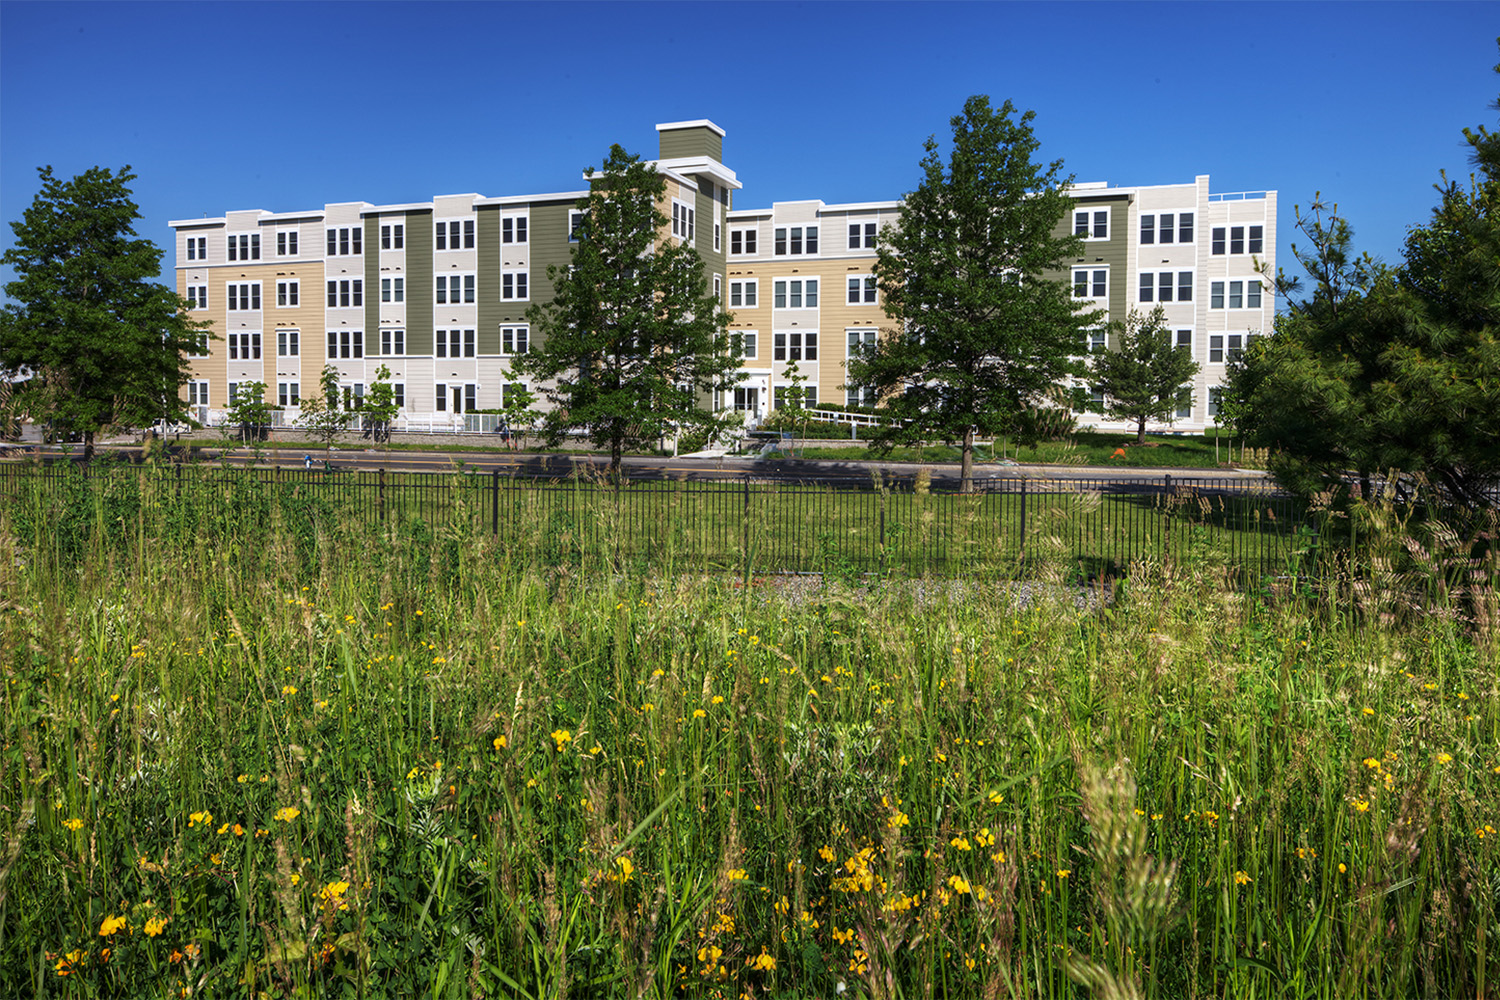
(514, 284)
(1252, 295)
(398, 394)
(286, 243)
(577, 225)
(741, 241)
(1166, 286)
(1184, 339)
(1184, 403)
(1216, 350)
(1236, 295)
(1242, 239)
(1148, 229)
(861, 289)
(456, 234)
(1091, 224)
(393, 289)
(1215, 397)
(454, 343)
(197, 296)
(683, 221)
(718, 288)
(796, 240)
(508, 392)
(718, 241)
(393, 236)
(1165, 227)
(1095, 340)
(198, 393)
(749, 344)
(345, 241)
(346, 343)
(1090, 284)
(346, 293)
(453, 289)
(289, 393)
(860, 343)
(1184, 227)
(515, 339)
(743, 293)
(244, 296)
(862, 235)
(197, 248)
(1216, 295)
(393, 343)
(809, 396)
(513, 228)
(440, 397)
(795, 293)
(245, 246)
(287, 343)
(244, 345)
(287, 293)
(794, 346)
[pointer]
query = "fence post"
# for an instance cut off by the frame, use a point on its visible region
(1023, 518)
(1166, 539)
(380, 494)
(745, 533)
(494, 501)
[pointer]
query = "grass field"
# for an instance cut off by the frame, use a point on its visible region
(387, 762)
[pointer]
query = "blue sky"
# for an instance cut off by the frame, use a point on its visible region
(281, 106)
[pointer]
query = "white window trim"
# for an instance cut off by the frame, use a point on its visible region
(290, 234)
(865, 236)
(750, 344)
(389, 334)
(815, 278)
(511, 217)
(337, 242)
(803, 251)
(787, 348)
(512, 272)
(524, 331)
(456, 274)
(259, 295)
(392, 226)
(462, 231)
(467, 336)
(197, 294)
(574, 217)
(197, 248)
(255, 246)
(1176, 273)
(295, 285)
(1090, 268)
(863, 279)
(743, 284)
(353, 282)
(394, 299)
(286, 336)
(740, 231)
(1109, 222)
(684, 221)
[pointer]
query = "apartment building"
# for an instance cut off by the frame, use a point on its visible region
(437, 291)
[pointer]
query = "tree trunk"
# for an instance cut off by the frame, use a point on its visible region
(967, 475)
(616, 452)
(1140, 432)
(88, 446)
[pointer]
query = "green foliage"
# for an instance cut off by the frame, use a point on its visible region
(1143, 375)
(104, 345)
(249, 415)
(632, 338)
(323, 415)
(390, 760)
(380, 405)
(981, 326)
(1388, 368)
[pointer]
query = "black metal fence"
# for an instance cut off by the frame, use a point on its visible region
(737, 523)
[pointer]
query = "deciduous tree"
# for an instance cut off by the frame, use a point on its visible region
(103, 344)
(1143, 375)
(631, 341)
(983, 324)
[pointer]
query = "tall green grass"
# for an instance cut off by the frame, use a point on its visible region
(405, 758)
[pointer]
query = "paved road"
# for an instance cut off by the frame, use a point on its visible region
(784, 470)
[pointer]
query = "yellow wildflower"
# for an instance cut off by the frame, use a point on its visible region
(287, 813)
(111, 925)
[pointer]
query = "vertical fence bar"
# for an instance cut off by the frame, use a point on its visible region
(495, 502)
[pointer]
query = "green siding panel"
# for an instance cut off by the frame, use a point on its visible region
(372, 286)
(549, 247)
(713, 260)
(698, 141)
(419, 282)
(489, 279)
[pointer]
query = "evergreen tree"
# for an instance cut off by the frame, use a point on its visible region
(632, 339)
(103, 345)
(1143, 376)
(983, 326)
